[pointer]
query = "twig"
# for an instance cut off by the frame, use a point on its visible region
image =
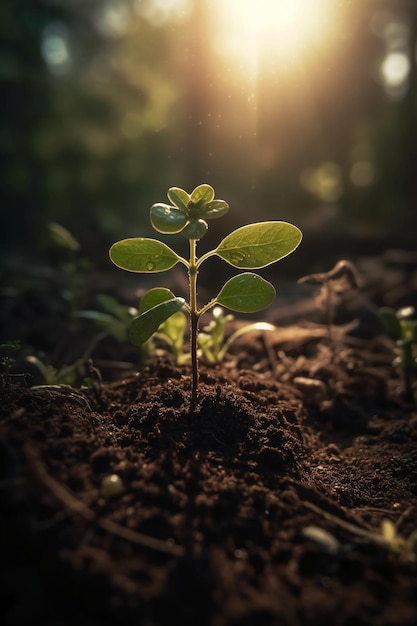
(357, 530)
(77, 506)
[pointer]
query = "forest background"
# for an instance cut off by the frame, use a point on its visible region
(306, 114)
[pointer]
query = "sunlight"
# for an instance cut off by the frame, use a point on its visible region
(395, 69)
(162, 12)
(278, 29)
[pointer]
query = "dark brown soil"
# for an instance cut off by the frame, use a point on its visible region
(262, 505)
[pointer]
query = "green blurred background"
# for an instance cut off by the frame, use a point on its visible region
(302, 110)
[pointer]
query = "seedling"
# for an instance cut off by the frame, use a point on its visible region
(63, 239)
(65, 375)
(332, 285)
(114, 320)
(386, 537)
(401, 325)
(405, 547)
(250, 247)
(172, 330)
(211, 341)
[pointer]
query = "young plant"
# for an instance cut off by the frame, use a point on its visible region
(386, 537)
(332, 286)
(172, 330)
(63, 239)
(52, 376)
(401, 325)
(250, 247)
(211, 340)
(114, 320)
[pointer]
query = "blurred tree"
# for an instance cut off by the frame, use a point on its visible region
(86, 127)
(409, 130)
(107, 103)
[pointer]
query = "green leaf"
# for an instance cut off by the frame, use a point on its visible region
(257, 245)
(97, 316)
(202, 194)
(390, 322)
(154, 296)
(62, 237)
(112, 306)
(174, 327)
(167, 219)
(109, 304)
(246, 293)
(173, 330)
(179, 197)
(195, 229)
(143, 255)
(213, 210)
(147, 323)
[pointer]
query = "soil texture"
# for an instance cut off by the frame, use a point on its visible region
(286, 496)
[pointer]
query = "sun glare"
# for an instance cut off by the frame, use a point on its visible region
(285, 30)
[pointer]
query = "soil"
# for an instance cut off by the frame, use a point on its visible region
(273, 501)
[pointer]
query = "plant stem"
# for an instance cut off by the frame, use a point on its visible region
(194, 317)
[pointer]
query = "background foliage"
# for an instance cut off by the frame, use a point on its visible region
(107, 103)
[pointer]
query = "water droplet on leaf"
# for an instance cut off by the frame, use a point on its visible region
(237, 257)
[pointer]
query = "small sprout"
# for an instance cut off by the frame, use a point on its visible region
(341, 279)
(63, 239)
(385, 537)
(171, 331)
(115, 318)
(253, 246)
(388, 531)
(211, 340)
(49, 375)
(401, 325)
(112, 485)
(404, 547)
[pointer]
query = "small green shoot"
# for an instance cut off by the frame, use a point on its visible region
(63, 239)
(386, 536)
(211, 340)
(115, 318)
(405, 547)
(401, 325)
(172, 330)
(49, 375)
(253, 246)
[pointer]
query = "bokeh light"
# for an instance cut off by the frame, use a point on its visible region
(55, 48)
(250, 32)
(299, 109)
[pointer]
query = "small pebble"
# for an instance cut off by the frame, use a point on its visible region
(112, 485)
(323, 538)
(314, 390)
